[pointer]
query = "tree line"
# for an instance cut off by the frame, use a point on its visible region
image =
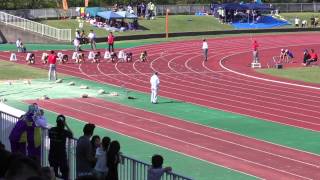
(34, 4)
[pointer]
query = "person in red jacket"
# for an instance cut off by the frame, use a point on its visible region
(110, 41)
(255, 46)
(52, 61)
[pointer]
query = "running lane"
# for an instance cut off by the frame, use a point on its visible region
(261, 159)
(217, 83)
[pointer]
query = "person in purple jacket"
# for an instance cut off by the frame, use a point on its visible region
(18, 135)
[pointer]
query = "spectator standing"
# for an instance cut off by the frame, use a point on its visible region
(52, 60)
(110, 41)
(205, 48)
(41, 120)
(95, 143)
(92, 39)
(57, 153)
(156, 171)
(304, 23)
(101, 156)
(113, 159)
(155, 83)
(297, 22)
(84, 152)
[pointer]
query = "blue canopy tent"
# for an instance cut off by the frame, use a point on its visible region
(109, 15)
(93, 11)
(250, 15)
(126, 15)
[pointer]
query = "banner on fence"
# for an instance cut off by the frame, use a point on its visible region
(65, 4)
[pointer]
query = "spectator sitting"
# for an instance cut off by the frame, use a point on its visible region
(57, 152)
(156, 171)
(313, 58)
(30, 58)
(84, 152)
(306, 56)
(143, 56)
(101, 156)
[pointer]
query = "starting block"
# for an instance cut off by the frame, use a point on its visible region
(255, 65)
(13, 57)
(107, 55)
(91, 55)
(121, 56)
(74, 55)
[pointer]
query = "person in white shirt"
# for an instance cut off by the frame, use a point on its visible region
(41, 120)
(156, 171)
(76, 44)
(101, 168)
(155, 82)
(297, 21)
(18, 44)
(92, 40)
(205, 49)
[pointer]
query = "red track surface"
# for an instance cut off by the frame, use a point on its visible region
(244, 154)
(185, 77)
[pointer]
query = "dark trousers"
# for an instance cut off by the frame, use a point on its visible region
(310, 61)
(59, 163)
(110, 46)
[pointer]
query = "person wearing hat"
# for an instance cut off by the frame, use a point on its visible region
(155, 82)
(57, 153)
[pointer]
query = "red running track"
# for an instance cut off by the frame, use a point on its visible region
(261, 159)
(218, 83)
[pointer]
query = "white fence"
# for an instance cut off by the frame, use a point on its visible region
(129, 168)
(44, 30)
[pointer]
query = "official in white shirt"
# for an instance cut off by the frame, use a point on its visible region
(92, 40)
(205, 49)
(155, 82)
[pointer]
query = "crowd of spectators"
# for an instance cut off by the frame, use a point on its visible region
(96, 159)
(314, 21)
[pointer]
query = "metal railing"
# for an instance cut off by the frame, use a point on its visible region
(132, 169)
(7, 122)
(129, 168)
(44, 30)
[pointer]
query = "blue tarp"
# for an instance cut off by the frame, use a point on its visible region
(93, 11)
(126, 14)
(109, 15)
(247, 6)
(264, 22)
